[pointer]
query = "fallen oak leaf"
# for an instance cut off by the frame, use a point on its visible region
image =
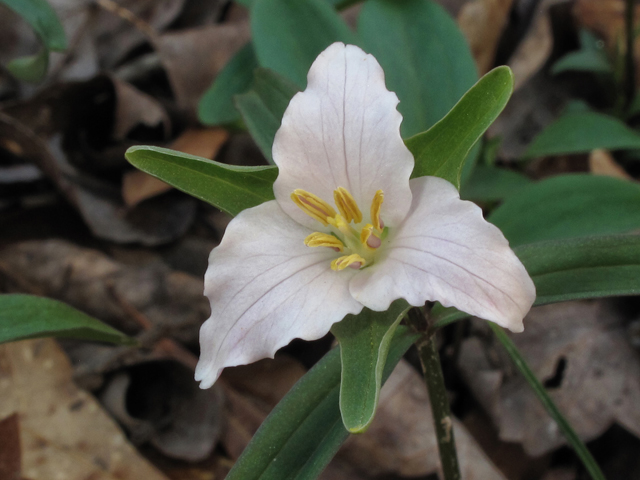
(64, 431)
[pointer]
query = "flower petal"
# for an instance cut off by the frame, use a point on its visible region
(266, 288)
(344, 131)
(445, 251)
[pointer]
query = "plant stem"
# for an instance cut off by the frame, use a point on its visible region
(442, 419)
(629, 79)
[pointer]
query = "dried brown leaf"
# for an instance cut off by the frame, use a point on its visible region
(202, 142)
(182, 421)
(64, 431)
(193, 58)
(581, 350)
(133, 108)
(535, 48)
(482, 22)
(601, 162)
(138, 186)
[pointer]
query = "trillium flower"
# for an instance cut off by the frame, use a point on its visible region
(348, 229)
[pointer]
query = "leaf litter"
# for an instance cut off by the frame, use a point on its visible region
(138, 266)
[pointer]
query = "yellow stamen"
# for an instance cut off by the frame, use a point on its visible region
(313, 206)
(376, 205)
(319, 239)
(343, 262)
(366, 238)
(347, 205)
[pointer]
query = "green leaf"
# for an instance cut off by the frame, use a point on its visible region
(441, 151)
(569, 206)
(490, 184)
(305, 430)
(565, 427)
(580, 268)
(32, 68)
(592, 57)
(28, 316)
(263, 106)
(583, 132)
(582, 61)
(426, 59)
(364, 345)
(228, 187)
(43, 19)
(216, 106)
(288, 35)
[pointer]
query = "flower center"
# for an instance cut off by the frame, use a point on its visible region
(357, 241)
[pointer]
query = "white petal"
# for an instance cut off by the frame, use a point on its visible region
(344, 131)
(445, 251)
(266, 288)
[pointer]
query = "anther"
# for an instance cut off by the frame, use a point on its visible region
(376, 205)
(313, 206)
(318, 239)
(354, 261)
(347, 205)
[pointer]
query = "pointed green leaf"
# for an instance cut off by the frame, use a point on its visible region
(578, 268)
(216, 106)
(263, 106)
(441, 150)
(583, 132)
(305, 430)
(582, 61)
(32, 68)
(28, 316)
(43, 19)
(364, 345)
(228, 187)
(425, 57)
(288, 35)
(592, 57)
(569, 206)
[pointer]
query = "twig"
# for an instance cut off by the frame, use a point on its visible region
(164, 345)
(630, 74)
(129, 16)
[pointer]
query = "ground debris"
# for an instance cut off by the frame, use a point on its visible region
(581, 352)
(64, 433)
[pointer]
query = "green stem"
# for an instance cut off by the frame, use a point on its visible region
(439, 406)
(580, 448)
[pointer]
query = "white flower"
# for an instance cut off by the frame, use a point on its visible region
(348, 229)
